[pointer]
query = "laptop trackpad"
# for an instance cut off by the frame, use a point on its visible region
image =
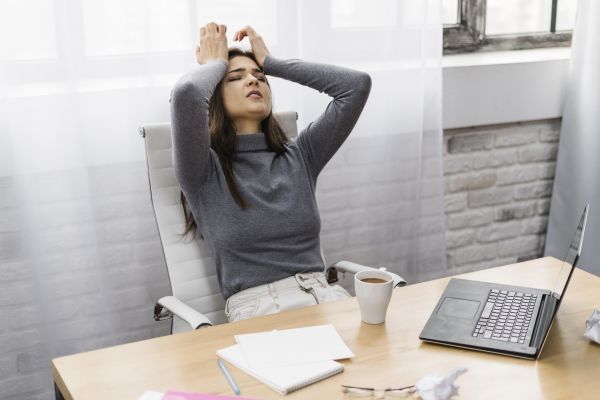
(458, 308)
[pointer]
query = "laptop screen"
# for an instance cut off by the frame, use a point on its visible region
(571, 258)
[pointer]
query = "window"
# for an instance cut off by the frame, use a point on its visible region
(114, 44)
(27, 35)
(488, 25)
(362, 14)
(113, 27)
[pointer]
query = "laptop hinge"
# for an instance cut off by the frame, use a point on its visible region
(545, 315)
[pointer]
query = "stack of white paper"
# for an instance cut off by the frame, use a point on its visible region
(293, 346)
(289, 359)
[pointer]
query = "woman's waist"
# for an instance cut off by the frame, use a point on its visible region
(302, 280)
(249, 276)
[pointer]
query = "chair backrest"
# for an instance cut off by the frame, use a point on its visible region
(190, 265)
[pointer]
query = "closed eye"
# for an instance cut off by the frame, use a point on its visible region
(260, 77)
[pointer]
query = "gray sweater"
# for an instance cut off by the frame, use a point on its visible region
(278, 235)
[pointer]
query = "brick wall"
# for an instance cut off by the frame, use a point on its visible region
(498, 185)
(368, 197)
(91, 233)
(80, 250)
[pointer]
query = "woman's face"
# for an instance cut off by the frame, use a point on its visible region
(246, 94)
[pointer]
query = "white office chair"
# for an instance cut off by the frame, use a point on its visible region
(197, 301)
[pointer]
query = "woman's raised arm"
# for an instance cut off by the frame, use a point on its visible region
(189, 108)
(349, 88)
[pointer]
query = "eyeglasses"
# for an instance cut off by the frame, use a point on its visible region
(373, 393)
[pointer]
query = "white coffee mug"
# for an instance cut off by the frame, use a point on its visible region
(373, 291)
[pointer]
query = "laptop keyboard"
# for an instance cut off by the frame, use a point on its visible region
(506, 316)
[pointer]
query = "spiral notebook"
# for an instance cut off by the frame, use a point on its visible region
(283, 379)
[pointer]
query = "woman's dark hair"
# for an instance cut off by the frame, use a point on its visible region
(223, 142)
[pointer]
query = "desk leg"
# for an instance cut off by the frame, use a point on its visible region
(57, 394)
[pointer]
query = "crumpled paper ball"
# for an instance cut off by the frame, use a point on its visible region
(592, 330)
(433, 387)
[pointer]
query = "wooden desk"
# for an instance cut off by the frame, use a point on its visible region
(386, 355)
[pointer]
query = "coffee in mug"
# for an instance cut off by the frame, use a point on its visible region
(374, 280)
(373, 290)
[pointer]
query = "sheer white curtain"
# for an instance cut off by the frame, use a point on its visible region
(78, 247)
(576, 182)
(381, 197)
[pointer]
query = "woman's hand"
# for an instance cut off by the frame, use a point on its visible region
(259, 48)
(213, 43)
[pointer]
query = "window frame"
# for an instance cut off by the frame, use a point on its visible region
(469, 34)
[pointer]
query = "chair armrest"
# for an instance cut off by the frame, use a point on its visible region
(177, 307)
(353, 268)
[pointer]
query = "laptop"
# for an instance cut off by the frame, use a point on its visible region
(504, 319)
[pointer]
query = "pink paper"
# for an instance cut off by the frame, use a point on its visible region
(175, 395)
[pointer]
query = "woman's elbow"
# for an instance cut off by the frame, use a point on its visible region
(183, 89)
(363, 83)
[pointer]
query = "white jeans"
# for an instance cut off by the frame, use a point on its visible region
(297, 291)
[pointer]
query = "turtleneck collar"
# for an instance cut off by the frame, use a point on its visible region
(251, 142)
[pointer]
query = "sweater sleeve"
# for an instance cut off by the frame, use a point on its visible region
(189, 123)
(349, 88)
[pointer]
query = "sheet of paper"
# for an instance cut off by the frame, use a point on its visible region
(177, 395)
(293, 346)
(151, 395)
(283, 379)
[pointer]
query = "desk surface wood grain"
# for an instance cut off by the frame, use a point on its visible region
(390, 354)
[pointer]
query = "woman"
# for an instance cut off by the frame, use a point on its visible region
(251, 191)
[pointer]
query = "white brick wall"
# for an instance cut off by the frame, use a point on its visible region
(95, 238)
(90, 236)
(367, 197)
(498, 186)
